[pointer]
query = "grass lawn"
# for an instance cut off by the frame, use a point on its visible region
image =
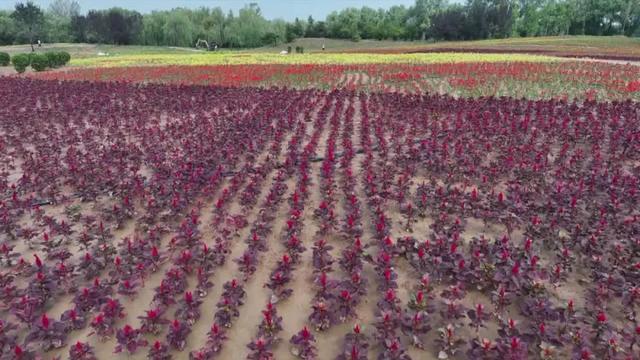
(587, 46)
(341, 52)
(81, 51)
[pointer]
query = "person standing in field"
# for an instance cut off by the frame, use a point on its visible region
(322, 46)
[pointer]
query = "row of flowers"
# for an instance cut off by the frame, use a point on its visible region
(465, 216)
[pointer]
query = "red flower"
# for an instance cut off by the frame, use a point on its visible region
(601, 317)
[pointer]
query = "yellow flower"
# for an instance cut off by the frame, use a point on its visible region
(234, 58)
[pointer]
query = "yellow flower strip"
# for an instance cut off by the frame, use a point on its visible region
(233, 58)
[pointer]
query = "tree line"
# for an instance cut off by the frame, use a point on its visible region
(63, 21)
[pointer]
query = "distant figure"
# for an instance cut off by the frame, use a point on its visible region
(215, 47)
(39, 43)
(322, 46)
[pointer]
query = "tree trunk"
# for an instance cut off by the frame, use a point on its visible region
(31, 39)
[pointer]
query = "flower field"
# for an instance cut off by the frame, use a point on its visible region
(532, 80)
(239, 58)
(321, 211)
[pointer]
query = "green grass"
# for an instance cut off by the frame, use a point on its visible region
(594, 44)
(81, 51)
(86, 54)
(574, 41)
(315, 45)
(580, 45)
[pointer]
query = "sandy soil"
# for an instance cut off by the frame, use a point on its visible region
(296, 309)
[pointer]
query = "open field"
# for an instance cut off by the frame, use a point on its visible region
(578, 46)
(600, 47)
(80, 51)
(613, 47)
(168, 204)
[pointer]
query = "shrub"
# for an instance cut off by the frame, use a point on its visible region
(64, 57)
(57, 58)
(52, 59)
(39, 62)
(20, 62)
(5, 59)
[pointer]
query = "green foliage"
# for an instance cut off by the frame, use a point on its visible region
(7, 28)
(450, 24)
(21, 62)
(112, 26)
(5, 59)
(315, 28)
(52, 59)
(249, 28)
(64, 58)
(56, 29)
(178, 30)
(153, 28)
(64, 8)
(39, 62)
(56, 59)
(29, 18)
(425, 19)
(270, 38)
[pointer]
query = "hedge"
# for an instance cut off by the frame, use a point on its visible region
(39, 62)
(20, 62)
(5, 59)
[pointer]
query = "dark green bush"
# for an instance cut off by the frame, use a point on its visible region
(52, 59)
(58, 58)
(5, 59)
(39, 62)
(21, 61)
(64, 57)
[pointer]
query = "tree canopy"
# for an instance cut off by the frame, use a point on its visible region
(29, 18)
(63, 21)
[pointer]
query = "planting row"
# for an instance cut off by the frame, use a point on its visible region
(169, 221)
(567, 80)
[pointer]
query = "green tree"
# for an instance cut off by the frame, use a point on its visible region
(7, 29)
(344, 24)
(58, 20)
(298, 28)
(631, 17)
(449, 24)
(30, 17)
(419, 16)
(57, 29)
(248, 28)
(393, 23)
(270, 38)
(178, 30)
(368, 23)
(279, 28)
(153, 28)
(218, 32)
(64, 8)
